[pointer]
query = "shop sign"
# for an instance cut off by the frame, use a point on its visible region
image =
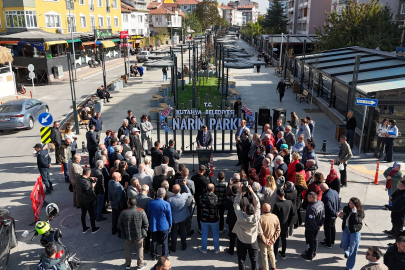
(103, 33)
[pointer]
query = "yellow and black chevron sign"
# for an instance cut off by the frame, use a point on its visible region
(45, 134)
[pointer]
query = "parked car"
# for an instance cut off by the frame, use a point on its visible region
(8, 237)
(143, 56)
(21, 113)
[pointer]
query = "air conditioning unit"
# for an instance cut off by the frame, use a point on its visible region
(59, 31)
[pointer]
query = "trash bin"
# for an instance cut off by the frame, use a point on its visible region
(279, 113)
(340, 130)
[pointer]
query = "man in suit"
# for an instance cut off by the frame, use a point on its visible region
(124, 129)
(200, 182)
(289, 137)
(278, 127)
(244, 145)
(281, 165)
(56, 139)
(238, 134)
(92, 145)
(204, 138)
(236, 106)
(280, 140)
(99, 190)
(164, 161)
(136, 145)
(126, 147)
(146, 133)
(157, 180)
(117, 155)
(132, 168)
(156, 153)
(173, 155)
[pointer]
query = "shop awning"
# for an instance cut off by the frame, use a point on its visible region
(49, 43)
(106, 43)
(36, 44)
(89, 43)
(75, 40)
(8, 42)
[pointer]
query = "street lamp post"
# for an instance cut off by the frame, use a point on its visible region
(71, 37)
(303, 67)
(73, 93)
(286, 57)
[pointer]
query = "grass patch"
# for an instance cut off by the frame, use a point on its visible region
(203, 87)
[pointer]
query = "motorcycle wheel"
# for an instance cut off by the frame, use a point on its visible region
(74, 263)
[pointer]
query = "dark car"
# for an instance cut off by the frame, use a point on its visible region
(8, 238)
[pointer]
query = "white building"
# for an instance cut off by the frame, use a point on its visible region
(250, 13)
(162, 17)
(134, 15)
(232, 15)
(187, 5)
(394, 5)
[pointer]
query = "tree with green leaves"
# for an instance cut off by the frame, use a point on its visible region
(207, 13)
(275, 20)
(192, 21)
(366, 25)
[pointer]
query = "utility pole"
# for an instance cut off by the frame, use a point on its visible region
(71, 37)
(73, 93)
(281, 49)
(302, 67)
(285, 58)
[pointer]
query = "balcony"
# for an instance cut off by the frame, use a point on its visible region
(291, 10)
(91, 7)
(108, 9)
(302, 19)
(303, 5)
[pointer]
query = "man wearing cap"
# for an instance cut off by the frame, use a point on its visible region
(136, 144)
(44, 163)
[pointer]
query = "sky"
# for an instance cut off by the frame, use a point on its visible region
(263, 5)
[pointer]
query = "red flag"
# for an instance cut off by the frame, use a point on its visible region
(38, 197)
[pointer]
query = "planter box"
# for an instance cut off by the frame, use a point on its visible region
(154, 102)
(153, 114)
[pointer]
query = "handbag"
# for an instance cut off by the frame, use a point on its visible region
(70, 187)
(341, 167)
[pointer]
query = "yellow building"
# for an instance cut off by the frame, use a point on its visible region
(53, 15)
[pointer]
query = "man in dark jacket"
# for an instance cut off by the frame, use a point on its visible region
(173, 155)
(281, 88)
(220, 190)
(92, 145)
(200, 182)
(350, 128)
(49, 260)
(284, 210)
(398, 209)
(280, 140)
(156, 154)
(133, 124)
(244, 145)
(136, 145)
(314, 218)
(158, 179)
(278, 127)
(209, 218)
(56, 138)
(97, 121)
(133, 224)
(99, 190)
(124, 130)
(231, 219)
(395, 256)
(331, 201)
(86, 198)
(44, 163)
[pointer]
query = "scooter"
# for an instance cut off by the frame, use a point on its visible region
(49, 235)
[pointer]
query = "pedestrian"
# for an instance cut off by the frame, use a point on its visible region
(294, 122)
(258, 68)
(284, 210)
(392, 133)
(142, 200)
(136, 145)
(270, 191)
(281, 89)
(220, 190)
(314, 219)
(304, 129)
(244, 145)
(292, 167)
(134, 188)
(44, 164)
(190, 201)
(393, 175)
(99, 190)
(311, 125)
(56, 139)
(278, 127)
(132, 124)
(231, 219)
(65, 157)
(353, 215)
(146, 134)
(162, 264)
(289, 137)
(333, 180)
(145, 179)
(309, 152)
(247, 229)
(173, 155)
(397, 211)
(345, 154)
(279, 179)
(299, 145)
(73, 138)
(133, 225)
(75, 172)
(373, 256)
(132, 168)
(156, 154)
(164, 70)
(116, 197)
(394, 258)
(350, 128)
(238, 135)
(125, 178)
(97, 121)
(124, 129)
(315, 186)
(301, 187)
(201, 182)
(148, 170)
(209, 219)
(264, 171)
(381, 139)
(331, 201)
(258, 158)
(92, 145)
(87, 198)
(180, 214)
(271, 231)
(160, 222)
(291, 195)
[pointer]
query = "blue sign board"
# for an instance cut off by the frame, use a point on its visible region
(367, 102)
(45, 119)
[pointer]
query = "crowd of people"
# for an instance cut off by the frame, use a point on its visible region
(278, 188)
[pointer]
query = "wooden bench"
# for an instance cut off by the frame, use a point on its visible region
(303, 96)
(289, 83)
(84, 123)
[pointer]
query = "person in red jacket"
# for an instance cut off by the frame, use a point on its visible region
(264, 171)
(315, 186)
(291, 167)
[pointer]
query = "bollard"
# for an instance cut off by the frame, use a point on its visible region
(17, 97)
(323, 146)
(85, 161)
(212, 167)
(61, 165)
(376, 174)
(331, 164)
(31, 93)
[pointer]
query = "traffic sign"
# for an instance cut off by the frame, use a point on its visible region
(367, 102)
(31, 75)
(31, 67)
(45, 134)
(123, 34)
(45, 119)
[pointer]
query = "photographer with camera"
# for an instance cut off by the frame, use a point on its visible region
(87, 198)
(247, 227)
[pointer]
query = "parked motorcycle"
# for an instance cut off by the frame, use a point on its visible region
(49, 234)
(21, 88)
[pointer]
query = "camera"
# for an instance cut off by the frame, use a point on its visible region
(245, 185)
(92, 180)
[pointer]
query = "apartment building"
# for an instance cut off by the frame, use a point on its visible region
(161, 16)
(232, 15)
(250, 13)
(135, 17)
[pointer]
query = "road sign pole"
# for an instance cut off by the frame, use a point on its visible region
(362, 127)
(33, 87)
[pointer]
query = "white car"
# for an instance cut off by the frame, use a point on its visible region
(143, 56)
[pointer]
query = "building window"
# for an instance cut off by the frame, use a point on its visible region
(99, 3)
(116, 22)
(125, 18)
(185, 7)
(52, 20)
(108, 22)
(72, 23)
(100, 21)
(21, 19)
(81, 2)
(91, 5)
(92, 23)
(83, 22)
(403, 9)
(115, 4)
(139, 18)
(140, 31)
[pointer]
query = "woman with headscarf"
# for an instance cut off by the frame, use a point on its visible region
(301, 187)
(333, 180)
(300, 169)
(291, 194)
(393, 175)
(291, 167)
(270, 191)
